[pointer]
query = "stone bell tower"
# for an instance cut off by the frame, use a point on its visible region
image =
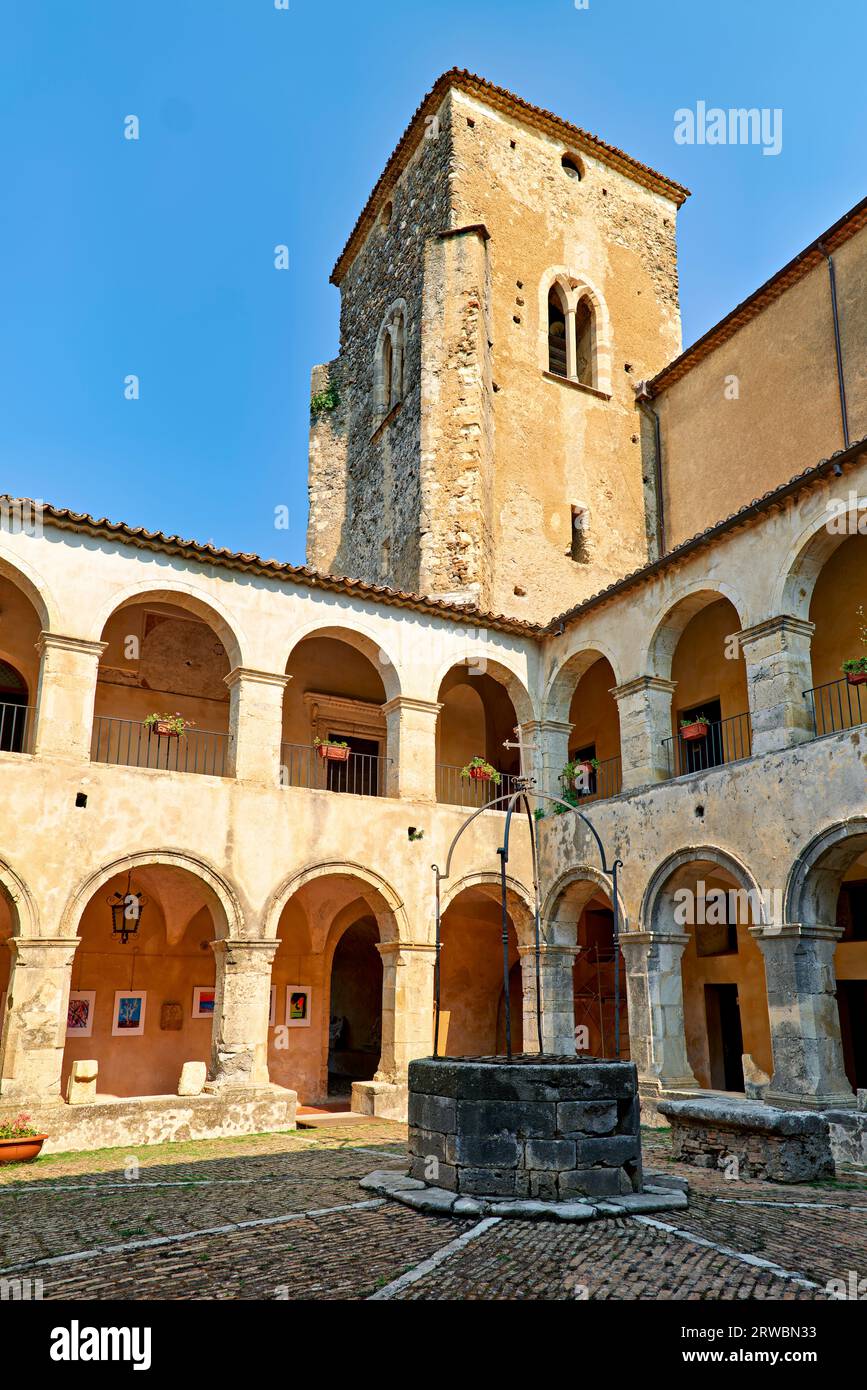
(509, 282)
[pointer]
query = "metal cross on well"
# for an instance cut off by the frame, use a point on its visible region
(526, 773)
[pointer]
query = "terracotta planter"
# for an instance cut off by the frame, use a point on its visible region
(691, 733)
(332, 754)
(165, 731)
(479, 774)
(856, 677)
(21, 1150)
(588, 768)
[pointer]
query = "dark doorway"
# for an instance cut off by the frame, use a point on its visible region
(724, 1037)
(13, 710)
(355, 1009)
(360, 773)
(852, 1003)
(695, 755)
(593, 986)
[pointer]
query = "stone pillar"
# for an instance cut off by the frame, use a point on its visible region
(549, 739)
(777, 657)
(411, 748)
(571, 346)
(34, 1029)
(645, 722)
(804, 1018)
(255, 725)
(654, 990)
(239, 1049)
(556, 987)
(66, 694)
(407, 1007)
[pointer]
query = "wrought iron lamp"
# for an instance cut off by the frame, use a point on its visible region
(126, 911)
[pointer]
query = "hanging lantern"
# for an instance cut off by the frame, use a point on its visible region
(126, 911)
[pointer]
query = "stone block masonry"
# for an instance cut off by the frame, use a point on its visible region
(757, 1141)
(552, 1129)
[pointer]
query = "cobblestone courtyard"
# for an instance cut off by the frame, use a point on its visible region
(282, 1217)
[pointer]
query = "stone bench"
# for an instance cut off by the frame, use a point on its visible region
(755, 1140)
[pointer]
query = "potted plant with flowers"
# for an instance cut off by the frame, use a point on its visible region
(477, 770)
(332, 750)
(168, 725)
(855, 670)
(691, 730)
(19, 1141)
(577, 773)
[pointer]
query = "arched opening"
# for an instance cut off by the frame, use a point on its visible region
(355, 1008)
(725, 1008)
(839, 646)
(477, 718)
(582, 915)
(143, 1007)
(329, 931)
(557, 351)
(472, 1020)
(595, 770)
(334, 726)
(161, 695)
(572, 166)
(696, 647)
(20, 627)
(584, 364)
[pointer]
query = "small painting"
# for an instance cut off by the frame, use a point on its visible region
(203, 1001)
(298, 1006)
(79, 1013)
(272, 1012)
(129, 1013)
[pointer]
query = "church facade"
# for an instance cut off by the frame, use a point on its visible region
(541, 537)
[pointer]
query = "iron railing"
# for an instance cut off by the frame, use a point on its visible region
(727, 741)
(130, 743)
(837, 705)
(602, 782)
(455, 790)
(16, 723)
(362, 774)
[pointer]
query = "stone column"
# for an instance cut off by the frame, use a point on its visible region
(239, 1049)
(558, 1009)
(654, 990)
(66, 694)
(255, 725)
(571, 346)
(777, 657)
(34, 1029)
(407, 1007)
(411, 748)
(804, 1018)
(549, 738)
(645, 721)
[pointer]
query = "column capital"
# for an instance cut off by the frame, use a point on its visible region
(56, 641)
(803, 931)
(783, 624)
(397, 948)
(653, 938)
(402, 702)
(51, 945)
(641, 683)
(248, 673)
(235, 948)
(549, 950)
(549, 726)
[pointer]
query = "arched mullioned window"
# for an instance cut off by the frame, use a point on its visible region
(389, 360)
(557, 347)
(576, 331)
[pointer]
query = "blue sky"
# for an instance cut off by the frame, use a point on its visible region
(262, 126)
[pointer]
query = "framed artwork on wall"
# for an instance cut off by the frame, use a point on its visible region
(79, 1013)
(129, 1013)
(272, 1011)
(298, 1006)
(203, 1001)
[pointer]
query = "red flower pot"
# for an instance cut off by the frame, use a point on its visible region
(165, 730)
(332, 754)
(21, 1150)
(691, 733)
(480, 774)
(856, 677)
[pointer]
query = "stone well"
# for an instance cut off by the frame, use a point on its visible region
(547, 1128)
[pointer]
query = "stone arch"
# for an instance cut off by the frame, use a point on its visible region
(481, 663)
(689, 858)
(207, 609)
(385, 902)
(34, 587)
(808, 554)
(21, 903)
(221, 897)
(519, 899)
(562, 683)
(362, 640)
(672, 618)
(572, 288)
(573, 890)
(814, 879)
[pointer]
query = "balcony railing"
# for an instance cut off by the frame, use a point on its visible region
(455, 790)
(363, 774)
(129, 743)
(837, 705)
(16, 722)
(604, 781)
(726, 741)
